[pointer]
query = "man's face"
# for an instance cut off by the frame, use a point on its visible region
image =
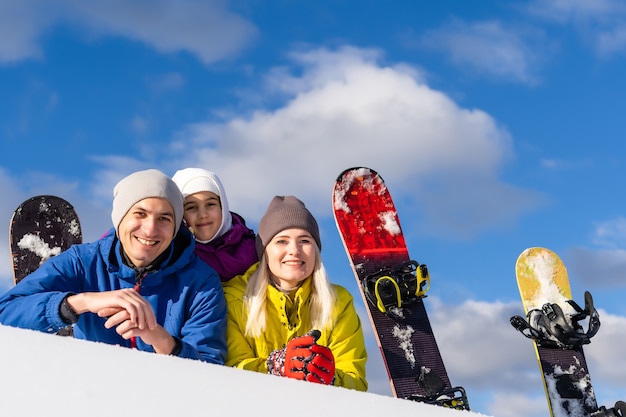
(147, 230)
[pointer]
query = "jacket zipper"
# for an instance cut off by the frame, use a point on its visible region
(138, 281)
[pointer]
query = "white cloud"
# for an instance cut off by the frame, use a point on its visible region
(602, 267)
(167, 82)
(598, 268)
(114, 168)
(605, 352)
(481, 348)
(611, 233)
(207, 30)
(601, 23)
(489, 48)
(576, 10)
(513, 404)
(565, 164)
(21, 25)
(139, 124)
(344, 108)
(13, 197)
(612, 41)
(552, 163)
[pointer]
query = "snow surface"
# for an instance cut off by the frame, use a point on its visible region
(48, 375)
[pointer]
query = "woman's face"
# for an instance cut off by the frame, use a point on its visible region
(291, 257)
(203, 213)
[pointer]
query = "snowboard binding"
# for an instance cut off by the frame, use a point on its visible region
(455, 398)
(392, 288)
(550, 327)
(437, 393)
(618, 411)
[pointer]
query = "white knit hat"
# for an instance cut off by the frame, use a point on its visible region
(195, 180)
(145, 184)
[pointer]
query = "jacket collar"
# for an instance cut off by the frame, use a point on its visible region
(178, 255)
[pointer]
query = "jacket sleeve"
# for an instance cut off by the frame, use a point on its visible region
(241, 354)
(34, 302)
(347, 343)
(203, 334)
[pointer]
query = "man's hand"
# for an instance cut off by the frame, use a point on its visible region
(119, 305)
(130, 314)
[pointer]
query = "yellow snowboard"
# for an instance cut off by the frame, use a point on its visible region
(542, 278)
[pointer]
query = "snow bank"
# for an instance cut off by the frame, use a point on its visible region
(48, 375)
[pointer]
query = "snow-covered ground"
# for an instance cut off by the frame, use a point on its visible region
(48, 375)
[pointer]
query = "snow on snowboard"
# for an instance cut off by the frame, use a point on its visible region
(553, 323)
(392, 286)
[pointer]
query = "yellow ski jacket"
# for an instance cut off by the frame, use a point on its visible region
(345, 339)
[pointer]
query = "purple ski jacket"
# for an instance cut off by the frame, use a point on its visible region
(233, 252)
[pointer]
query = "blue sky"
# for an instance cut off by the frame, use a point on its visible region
(497, 126)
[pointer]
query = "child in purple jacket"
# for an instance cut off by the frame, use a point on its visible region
(222, 238)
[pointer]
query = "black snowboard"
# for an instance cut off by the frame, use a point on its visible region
(41, 227)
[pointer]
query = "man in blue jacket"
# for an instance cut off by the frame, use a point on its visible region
(140, 285)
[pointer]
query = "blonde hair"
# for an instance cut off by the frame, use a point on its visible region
(323, 298)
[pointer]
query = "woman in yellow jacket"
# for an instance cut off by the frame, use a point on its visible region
(284, 317)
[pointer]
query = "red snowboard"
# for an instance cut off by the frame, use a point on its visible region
(392, 287)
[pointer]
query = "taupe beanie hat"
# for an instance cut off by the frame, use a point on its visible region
(145, 184)
(285, 212)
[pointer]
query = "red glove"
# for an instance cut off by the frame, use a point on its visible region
(321, 366)
(303, 359)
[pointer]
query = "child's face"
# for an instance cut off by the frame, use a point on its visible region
(203, 214)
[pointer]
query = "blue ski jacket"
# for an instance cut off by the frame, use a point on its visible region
(185, 293)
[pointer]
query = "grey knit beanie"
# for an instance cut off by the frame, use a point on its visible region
(145, 184)
(285, 212)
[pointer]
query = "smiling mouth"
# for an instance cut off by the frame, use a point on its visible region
(146, 242)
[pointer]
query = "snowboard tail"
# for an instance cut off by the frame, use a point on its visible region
(392, 286)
